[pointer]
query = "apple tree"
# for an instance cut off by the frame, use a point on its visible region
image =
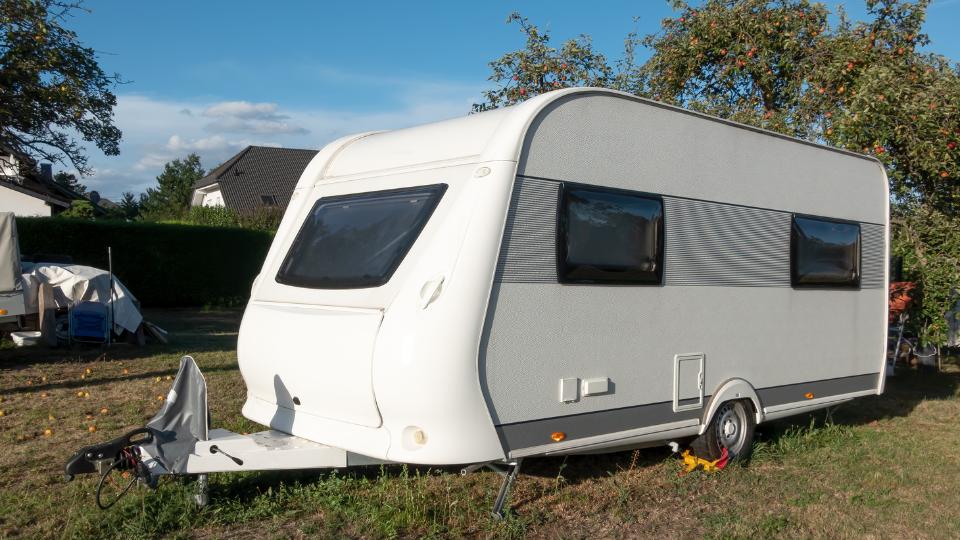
(53, 93)
(539, 67)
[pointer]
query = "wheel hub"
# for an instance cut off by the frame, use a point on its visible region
(730, 429)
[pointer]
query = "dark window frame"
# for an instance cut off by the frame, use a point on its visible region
(561, 235)
(793, 254)
(437, 191)
(268, 200)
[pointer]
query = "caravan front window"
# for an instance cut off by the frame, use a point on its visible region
(357, 241)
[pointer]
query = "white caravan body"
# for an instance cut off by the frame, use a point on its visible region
(475, 342)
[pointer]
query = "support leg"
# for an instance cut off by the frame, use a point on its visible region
(202, 495)
(508, 477)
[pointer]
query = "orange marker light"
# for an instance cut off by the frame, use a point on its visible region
(808, 395)
(558, 436)
(3, 312)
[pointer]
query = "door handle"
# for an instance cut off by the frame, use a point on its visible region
(430, 291)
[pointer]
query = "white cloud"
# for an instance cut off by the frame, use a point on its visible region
(156, 130)
(244, 109)
(239, 125)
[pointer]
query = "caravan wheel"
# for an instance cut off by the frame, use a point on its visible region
(732, 428)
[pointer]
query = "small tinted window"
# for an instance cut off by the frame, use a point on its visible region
(825, 253)
(608, 236)
(358, 241)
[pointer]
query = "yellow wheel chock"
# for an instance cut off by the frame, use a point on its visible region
(691, 462)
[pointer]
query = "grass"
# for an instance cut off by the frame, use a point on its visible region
(884, 467)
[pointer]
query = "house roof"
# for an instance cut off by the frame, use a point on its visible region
(49, 192)
(257, 172)
(35, 183)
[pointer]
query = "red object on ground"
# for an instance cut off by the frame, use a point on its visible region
(901, 296)
(724, 458)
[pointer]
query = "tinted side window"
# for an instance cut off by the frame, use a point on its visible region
(609, 236)
(824, 253)
(357, 241)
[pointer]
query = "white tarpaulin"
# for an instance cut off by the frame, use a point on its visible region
(73, 284)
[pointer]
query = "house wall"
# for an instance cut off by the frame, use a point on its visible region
(8, 165)
(214, 198)
(22, 204)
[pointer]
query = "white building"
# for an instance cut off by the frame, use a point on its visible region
(28, 196)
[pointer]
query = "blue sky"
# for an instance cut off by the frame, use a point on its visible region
(212, 77)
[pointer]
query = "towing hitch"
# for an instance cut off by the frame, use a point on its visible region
(97, 458)
(163, 446)
(178, 441)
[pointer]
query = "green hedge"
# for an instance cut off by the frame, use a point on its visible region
(163, 265)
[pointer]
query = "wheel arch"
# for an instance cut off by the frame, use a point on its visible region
(732, 390)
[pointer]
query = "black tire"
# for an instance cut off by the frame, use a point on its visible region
(732, 428)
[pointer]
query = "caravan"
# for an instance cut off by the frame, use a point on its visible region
(584, 272)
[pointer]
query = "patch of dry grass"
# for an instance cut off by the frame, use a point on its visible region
(886, 467)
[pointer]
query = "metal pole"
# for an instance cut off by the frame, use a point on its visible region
(110, 268)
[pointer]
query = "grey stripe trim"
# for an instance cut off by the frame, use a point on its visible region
(710, 244)
(528, 252)
(706, 243)
(578, 426)
(794, 393)
(530, 433)
(872, 250)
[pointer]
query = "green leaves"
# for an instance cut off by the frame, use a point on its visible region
(539, 68)
(929, 242)
(52, 90)
(171, 198)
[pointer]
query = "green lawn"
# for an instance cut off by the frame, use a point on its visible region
(886, 467)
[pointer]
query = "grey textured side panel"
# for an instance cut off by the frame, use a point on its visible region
(528, 251)
(521, 435)
(872, 256)
(794, 393)
(707, 243)
(619, 142)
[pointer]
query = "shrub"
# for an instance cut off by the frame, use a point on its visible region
(929, 242)
(163, 265)
(213, 216)
(263, 218)
(79, 209)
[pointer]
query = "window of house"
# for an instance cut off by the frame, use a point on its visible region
(358, 241)
(824, 253)
(268, 200)
(609, 236)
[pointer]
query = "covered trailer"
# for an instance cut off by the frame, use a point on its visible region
(584, 272)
